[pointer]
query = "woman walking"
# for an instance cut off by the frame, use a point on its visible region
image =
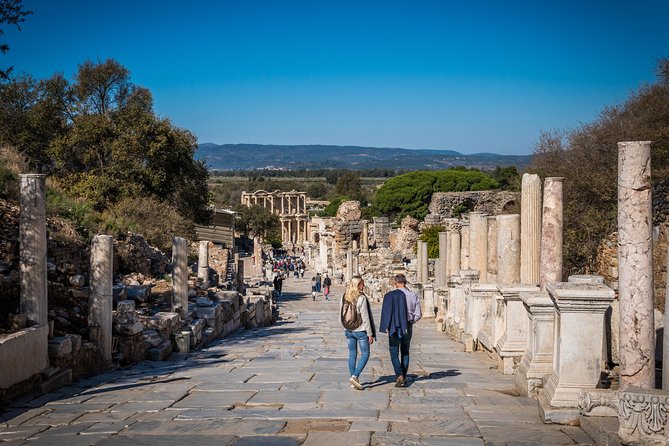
(355, 314)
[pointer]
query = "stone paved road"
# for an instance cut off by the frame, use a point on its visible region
(287, 385)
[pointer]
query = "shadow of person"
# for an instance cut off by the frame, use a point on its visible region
(412, 377)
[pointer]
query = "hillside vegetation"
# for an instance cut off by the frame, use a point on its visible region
(587, 157)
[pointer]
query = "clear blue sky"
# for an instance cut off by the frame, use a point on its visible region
(471, 76)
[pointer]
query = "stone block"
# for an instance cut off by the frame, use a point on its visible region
(23, 354)
(603, 430)
(60, 347)
(56, 381)
(125, 306)
(161, 352)
(642, 414)
(140, 293)
(77, 280)
(599, 403)
(208, 312)
(76, 341)
(152, 337)
(164, 320)
(130, 329)
(182, 341)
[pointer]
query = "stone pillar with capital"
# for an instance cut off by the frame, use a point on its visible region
(441, 274)
(464, 245)
(492, 249)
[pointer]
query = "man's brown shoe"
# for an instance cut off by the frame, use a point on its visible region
(400, 381)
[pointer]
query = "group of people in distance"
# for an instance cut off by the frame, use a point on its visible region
(400, 311)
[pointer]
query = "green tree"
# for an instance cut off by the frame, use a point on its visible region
(11, 13)
(430, 235)
(116, 147)
(350, 185)
(507, 178)
(256, 221)
(32, 114)
(410, 194)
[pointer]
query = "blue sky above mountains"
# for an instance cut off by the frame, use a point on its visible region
(480, 76)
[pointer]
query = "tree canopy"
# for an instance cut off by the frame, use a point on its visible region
(410, 194)
(100, 138)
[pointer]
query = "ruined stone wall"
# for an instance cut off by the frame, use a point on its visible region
(489, 202)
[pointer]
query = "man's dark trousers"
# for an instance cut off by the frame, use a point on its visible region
(399, 352)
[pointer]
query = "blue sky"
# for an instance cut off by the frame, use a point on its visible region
(472, 76)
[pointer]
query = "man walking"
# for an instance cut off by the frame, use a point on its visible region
(401, 309)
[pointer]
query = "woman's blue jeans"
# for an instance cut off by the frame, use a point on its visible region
(355, 339)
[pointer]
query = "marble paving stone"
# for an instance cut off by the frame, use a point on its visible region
(358, 438)
(267, 441)
(452, 426)
(527, 435)
(261, 413)
(17, 417)
(18, 432)
(174, 440)
(98, 417)
(54, 419)
(214, 399)
(369, 426)
(284, 397)
(70, 440)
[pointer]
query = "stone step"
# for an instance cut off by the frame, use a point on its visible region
(56, 381)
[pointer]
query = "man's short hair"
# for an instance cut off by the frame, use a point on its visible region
(400, 278)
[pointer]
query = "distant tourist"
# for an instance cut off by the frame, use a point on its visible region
(327, 283)
(278, 284)
(318, 282)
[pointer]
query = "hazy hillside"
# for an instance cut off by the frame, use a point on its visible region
(257, 156)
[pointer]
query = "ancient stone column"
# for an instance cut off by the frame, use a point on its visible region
(382, 232)
(551, 232)
(530, 229)
(180, 274)
(492, 249)
(101, 299)
(424, 271)
(665, 351)
(508, 248)
(441, 275)
(464, 245)
(349, 265)
(364, 236)
(478, 244)
(635, 266)
(32, 233)
(454, 252)
(203, 262)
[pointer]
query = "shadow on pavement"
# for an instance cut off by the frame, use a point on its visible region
(411, 378)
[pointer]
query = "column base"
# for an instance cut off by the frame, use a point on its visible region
(557, 415)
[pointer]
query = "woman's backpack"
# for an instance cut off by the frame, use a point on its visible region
(350, 317)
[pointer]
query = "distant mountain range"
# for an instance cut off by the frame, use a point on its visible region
(259, 156)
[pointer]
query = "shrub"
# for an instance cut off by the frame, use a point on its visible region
(430, 235)
(12, 163)
(154, 219)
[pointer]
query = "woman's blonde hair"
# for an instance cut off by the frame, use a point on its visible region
(352, 291)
